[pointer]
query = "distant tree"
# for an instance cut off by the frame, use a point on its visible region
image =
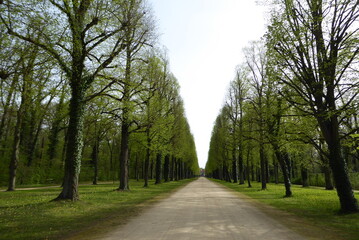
(256, 62)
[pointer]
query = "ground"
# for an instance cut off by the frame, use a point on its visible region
(206, 210)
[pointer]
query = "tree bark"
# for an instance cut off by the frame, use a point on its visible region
(94, 155)
(328, 178)
(283, 158)
(173, 168)
(330, 129)
(234, 166)
(158, 168)
(7, 105)
(241, 166)
(276, 173)
(304, 173)
(124, 151)
(263, 166)
(147, 159)
(74, 146)
(15, 151)
(248, 166)
(166, 169)
(267, 169)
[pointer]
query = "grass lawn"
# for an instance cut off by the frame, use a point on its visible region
(30, 214)
(319, 207)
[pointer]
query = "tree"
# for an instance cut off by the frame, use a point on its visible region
(27, 63)
(72, 32)
(316, 46)
(256, 63)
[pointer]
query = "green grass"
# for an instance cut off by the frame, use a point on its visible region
(317, 206)
(29, 214)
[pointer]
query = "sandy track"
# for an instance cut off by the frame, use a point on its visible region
(202, 210)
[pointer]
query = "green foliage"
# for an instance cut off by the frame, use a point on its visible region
(122, 76)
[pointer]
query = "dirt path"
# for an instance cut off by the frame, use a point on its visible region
(202, 210)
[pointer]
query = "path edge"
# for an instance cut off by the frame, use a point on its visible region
(295, 223)
(99, 228)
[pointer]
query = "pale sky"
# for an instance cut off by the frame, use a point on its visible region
(205, 39)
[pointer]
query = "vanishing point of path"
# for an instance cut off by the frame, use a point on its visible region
(202, 210)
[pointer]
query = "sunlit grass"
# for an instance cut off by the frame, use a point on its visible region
(319, 206)
(30, 214)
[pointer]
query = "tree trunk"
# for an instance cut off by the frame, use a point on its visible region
(64, 147)
(253, 173)
(304, 173)
(74, 147)
(5, 135)
(328, 178)
(330, 129)
(173, 168)
(15, 151)
(34, 140)
(166, 169)
(94, 155)
(158, 168)
(234, 166)
(267, 170)
(7, 105)
(248, 166)
(179, 169)
(276, 172)
(55, 129)
(124, 184)
(241, 166)
(147, 160)
(263, 166)
(283, 158)
(288, 163)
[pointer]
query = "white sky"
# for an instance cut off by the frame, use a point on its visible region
(205, 39)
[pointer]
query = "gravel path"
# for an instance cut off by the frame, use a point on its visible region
(202, 210)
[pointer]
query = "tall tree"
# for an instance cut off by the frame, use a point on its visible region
(316, 46)
(256, 63)
(75, 33)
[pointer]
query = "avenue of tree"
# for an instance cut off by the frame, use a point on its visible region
(292, 106)
(87, 94)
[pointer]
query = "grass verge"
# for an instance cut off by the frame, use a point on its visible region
(30, 214)
(319, 208)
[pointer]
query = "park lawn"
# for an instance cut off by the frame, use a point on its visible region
(318, 206)
(30, 214)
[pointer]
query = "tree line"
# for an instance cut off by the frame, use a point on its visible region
(292, 106)
(86, 87)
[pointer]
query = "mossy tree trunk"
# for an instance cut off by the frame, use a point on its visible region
(74, 146)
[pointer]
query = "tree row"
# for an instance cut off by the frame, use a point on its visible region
(292, 106)
(85, 87)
